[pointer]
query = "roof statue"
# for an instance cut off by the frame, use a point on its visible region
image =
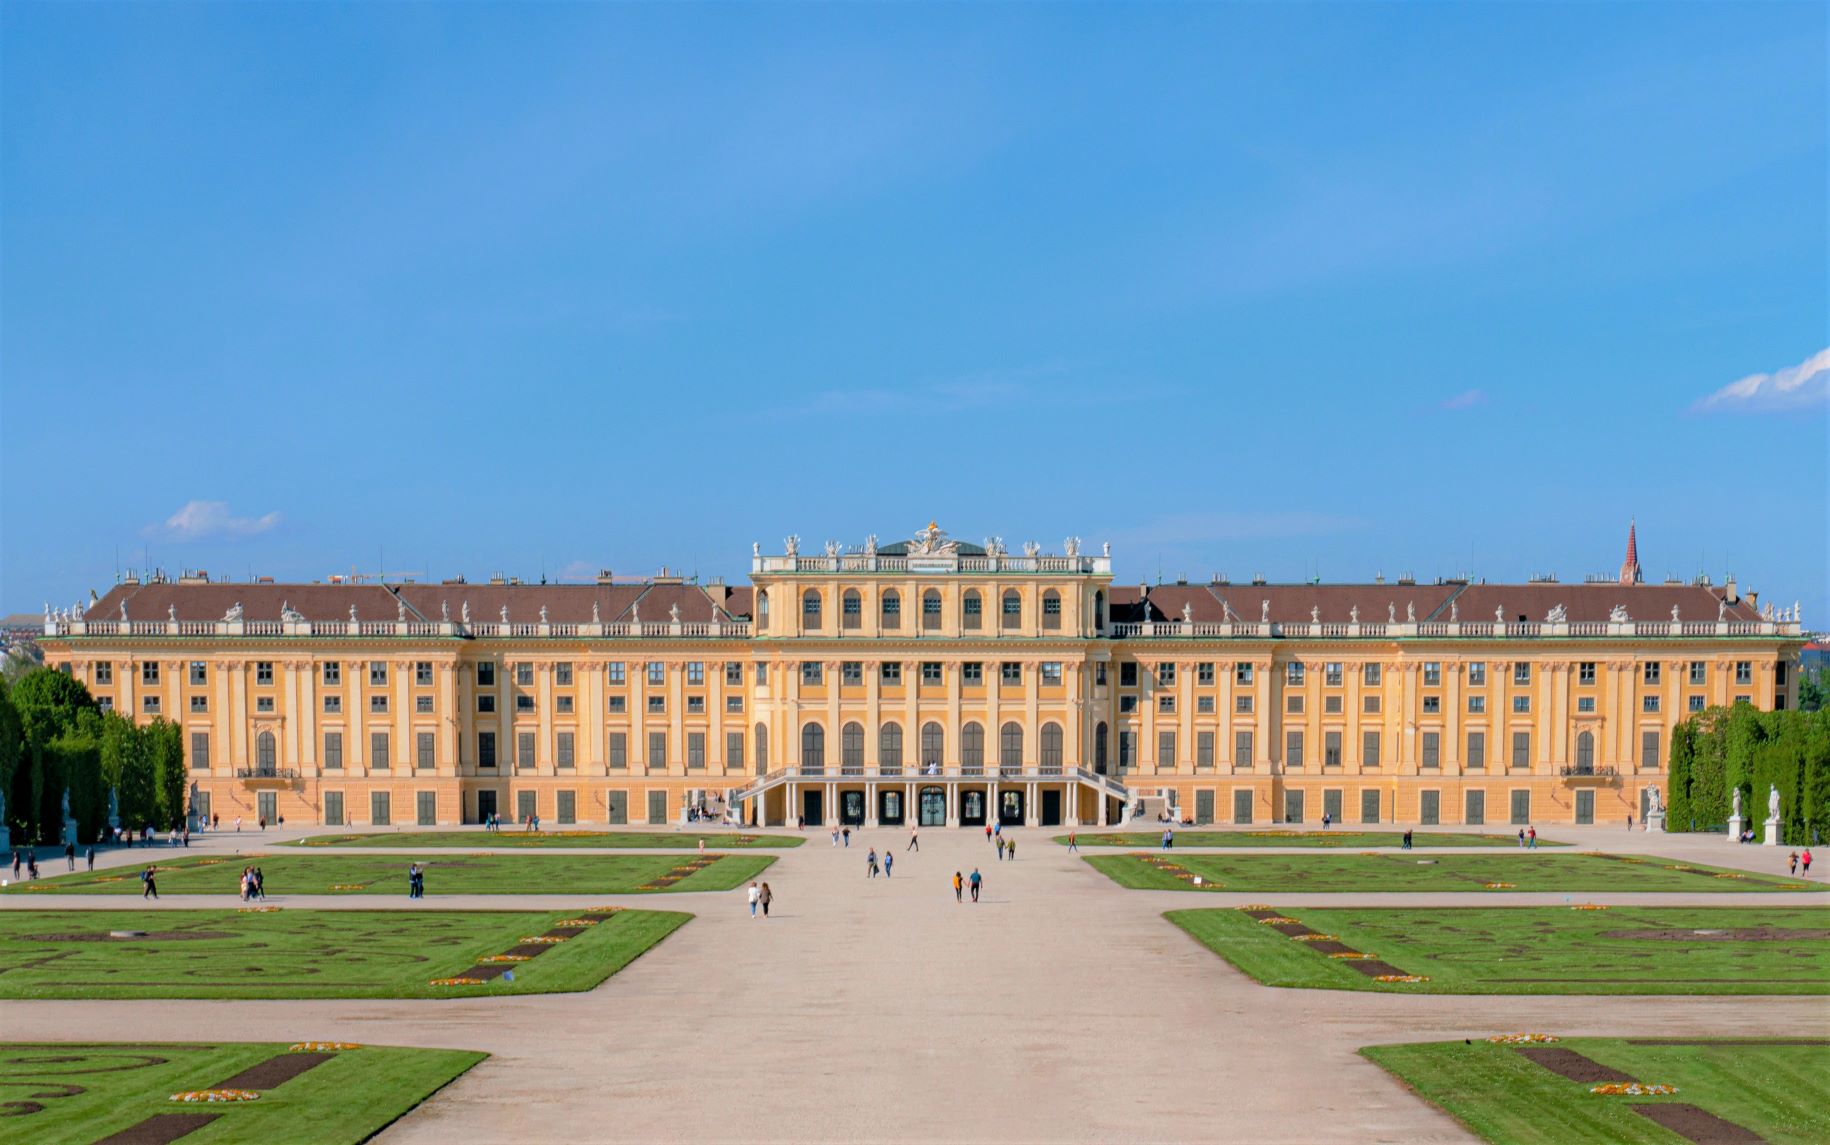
(1188, 612)
(1031, 549)
(543, 614)
(832, 548)
(1071, 546)
(933, 542)
(1315, 614)
(1353, 615)
(1721, 609)
(793, 544)
(505, 614)
(352, 614)
(400, 610)
(1674, 614)
(635, 615)
(994, 546)
(594, 616)
(1264, 612)
(1499, 614)
(1454, 612)
(870, 545)
(171, 612)
(1410, 612)
(47, 608)
(1391, 613)
(1557, 615)
(1105, 548)
(673, 613)
(1618, 614)
(234, 615)
(444, 611)
(464, 613)
(756, 548)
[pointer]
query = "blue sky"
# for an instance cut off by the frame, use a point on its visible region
(1298, 290)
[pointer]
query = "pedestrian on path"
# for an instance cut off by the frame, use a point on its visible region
(1073, 841)
(847, 836)
(1169, 838)
(1000, 828)
(1629, 820)
(959, 887)
(871, 863)
(1407, 838)
(90, 856)
(835, 837)
(889, 860)
(1807, 862)
(1521, 838)
(1010, 850)
(16, 862)
(1000, 849)
(755, 894)
(70, 853)
(988, 832)
(977, 879)
(148, 888)
(1794, 859)
(914, 841)
(31, 865)
(766, 897)
(1326, 818)
(1531, 838)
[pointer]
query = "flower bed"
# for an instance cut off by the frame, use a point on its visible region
(1275, 919)
(348, 886)
(544, 940)
(457, 982)
(1401, 978)
(1588, 906)
(1353, 956)
(576, 922)
(1499, 886)
(214, 1096)
(1632, 1089)
(1522, 1039)
(492, 959)
(321, 1047)
(256, 909)
(1313, 937)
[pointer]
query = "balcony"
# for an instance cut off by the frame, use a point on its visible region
(1576, 773)
(259, 777)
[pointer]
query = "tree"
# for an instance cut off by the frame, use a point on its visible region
(12, 752)
(1813, 689)
(166, 748)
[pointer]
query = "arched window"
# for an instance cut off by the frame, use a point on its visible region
(264, 753)
(1051, 748)
(851, 746)
(972, 749)
(810, 610)
(889, 747)
(1099, 609)
(1010, 745)
(1099, 747)
(1051, 609)
(1012, 610)
(892, 609)
(813, 746)
(933, 744)
(1585, 753)
(762, 611)
(972, 611)
(930, 611)
(851, 610)
(762, 748)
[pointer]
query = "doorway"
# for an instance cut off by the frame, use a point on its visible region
(813, 805)
(267, 806)
(933, 807)
(972, 808)
(1293, 807)
(657, 806)
(618, 807)
(486, 806)
(889, 807)
(1051, 808)
(851, 808)
(1010, 808)
(1585, 806)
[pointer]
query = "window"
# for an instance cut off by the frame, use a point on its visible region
(657, 704)
(1051, 609)
(104, 673)
(972, 748)
(762, 748)
(378, 703)
(695, 673)
(851, 746)
(149, 672)
(930, 672)
(422, 748)
(1432, 673)
(1648, 703)
(657, 749)
(1099, 747)
(1585, 704)
(565, 748)
(333, 751)
(200, 703)
(1293, 704)
(1371, 745)
(561, 704)
(1127, 704)
(930, 610)
(733, 751)
(1293, 748)
(1051, 672)
(1432, 705)
(972, 611)
(813, 746)
(1166, 703)
(1051, 747)
(1242, 673)
(1477, 673)
(1166, 674)
(1242, 749)
(972, 673)
(266, 757)
(1585, 673)
(851, 609)
(1649, 671)
(1696, 703)
(695, 751)
(422, 673)
(1585, 754)
(813, 673)
(1332, 674)
(1521, 673)
(1521, 749)
(733, 674)
(1012, 609)
(657, 672)
(1370, 705)
(1744, 699)
(1744, 672)
(613, 674)
(263, 704)
(1204, 705)
(619, 749)
(562, 673)
(524, 702)
(1331, 749)
(1099, 674)
(892, 671)
(851, 673)
(423, 704)
(889, 746)
(1010, 745)
(1477, 705)
(1779, 673)
(619, 704)
(200, 673)
(1204, 672)
(933, 743)
(1371, 675)
(892, 609)
(378, 673)
(733, 703)
(200, 751)
(1477, 749)
(1293, 673)
(1127, 675)
(486, 674)
(1166, 749)
(810, 610)
(1648, 749)
(1204, 749)
(1521, 705)
(762, 612)
(1242, 704)
(1699, 672)
(1010, 673)
(378, 751)
(1432, 749)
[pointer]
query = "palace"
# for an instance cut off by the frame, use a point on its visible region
(927, 681)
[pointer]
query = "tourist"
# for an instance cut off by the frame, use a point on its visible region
(70, 853)
(1629, 820)
(1010, 850)
(1407, 838)
(1000, 850)
(31, 864)
(1325, 820)
(765, 897)
(889, 860)
(1169, 838)
(988, 832)
(1807, 859)
(1794, 860)
(1521, 838)
(870, 863)
(89, 855)
(16, 864)
(914, 843)
(1531, 838)
(187, 838)
(755, 893)
(263, 822)
(1073, 841)
(260, 885)
(977, 880)
(702, 844)
(238, 824)
(959, 887)
(846, 834)
(148, 888)
(1000, 829)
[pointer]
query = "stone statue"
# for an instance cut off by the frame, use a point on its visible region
(673, 613)
(1315, 614)
(1737, 803)
(594, 616)
(114, 805)
(234, 615)
(1031, 549)
(352, 614)
(756, 548)
(1617, 614)
(1264, 612)
(794, 544)
(47, 610)
(832, 548)
(1071, 546)
(1721, 610)
(635, 615)
(870, 545)
(1391, 613)
(1353, 615)
(123, 611)
(1454, 613)
(1188, 613)
(400, 610)
(1105, 548)
(464, 612)
(1655, 803)
(1772, 802)
(1499, 614)
(66, 803)
(444, 611)
(171, 613)
(505, 614)
(1410, 612)
(543, 614)
(1674, 614)
(1557, 615)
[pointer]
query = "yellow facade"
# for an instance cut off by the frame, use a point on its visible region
(926, 680)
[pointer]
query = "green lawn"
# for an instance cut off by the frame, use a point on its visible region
(305, 953)
(1780, 1092)
(596, 840)
(87, 1091)
(1535, 950)
(446, 874)
(1524, 870)
(1277, 838)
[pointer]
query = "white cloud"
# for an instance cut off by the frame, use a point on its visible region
(1467, 399)
(1807, 383)
(198, 520)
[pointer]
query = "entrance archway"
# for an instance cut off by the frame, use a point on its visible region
(933, 807)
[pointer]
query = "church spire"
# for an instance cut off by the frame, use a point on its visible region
(1629, 568)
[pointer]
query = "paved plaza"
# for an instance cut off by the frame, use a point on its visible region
(1059, 1008)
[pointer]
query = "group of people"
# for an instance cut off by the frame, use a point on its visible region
(253, 885)
(976, 881)
(1528, 838)
(889, 860)
(1807, 862)
(760, 896)
(416, 881)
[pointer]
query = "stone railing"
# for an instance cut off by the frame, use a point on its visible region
(416, 629)
(1452, 629)
(1079, 565)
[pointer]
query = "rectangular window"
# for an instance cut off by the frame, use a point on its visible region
(973, 610)
(378, 703)
(1051, 611)
(1127, 748)
(930, 672)
(1099, 674)
(564, 753)
(1166, 749)
(1696, 703)
(733, 751)
(200, 673)
(1648, 703)
(851, 673)
(1432, 673)
(762, 675)
(422, 673)
(1011, 673)
(200, 703)
(378, 673)
(657, 672)
(1477, 705)
(614, 673)
(1204, 749)
(1521, 749)
(851, 610)
(422, 704)
(1127, 675)
(972, 673)
(1204, 672)
(333, 751)
(657, 749)
(1293, 673)
(1013, 610)
(1369, 705)
(1293, 749)
(261, 703)
(1779, 674)
(1332, 674)
(524, 750)
(333, 808)
(892, 672)
(1242, 673)
(380, 809)
(1649, 671)
(1293, 703)
(1477, 749)
(695, 705)
(200, 751)
(733, 674)
(1477, 673)
(1585, 704)
(104, 673)
(619, 749)
(813, 673)
(561, 704)
(1521, 808)
(1204, 705)
(1432, 749)
(695, 750)
(695, 672)
(562, 674)
(423, 750)
(1521, 705)
(1371, 745)
(428, 808)
(1699, 672)
(1331, 749)
(149, 705)
(1744, 672)
(1166, 703)
(1648, 749)
(657, 705)
(1521, 673)
(930, 611)
(378, 751)
(1242, 749)
(486, 703)
(149, 672)
(619, 704)
(486, 749)
(333, 674)
(1242, 704)
(1165, 674)
(1371, 674)
(524, 675)
(733, 703)
(486, 675)
(1432, 705)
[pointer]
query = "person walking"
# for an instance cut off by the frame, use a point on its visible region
(16, 863)
(1407, 838)
(1794, 860)
(1010, 850)
(238, 824)
(260, 885)
(755, 894)
(988, 832)
(914, 842)
(148, 887)
(31, 865)
(846, 835)
(70, 853)
(89, 856)
(1326, 818)
(889, 860)
(1807, 858)
(1521, 838)
(1531, 838)
(1000, 849)
(977, 880)
(1073, 841)
(765, 897)
(870, 863)
(835, 837)
(959, 887)
(1168, 838)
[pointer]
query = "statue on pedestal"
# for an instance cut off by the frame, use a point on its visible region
(1772, 804)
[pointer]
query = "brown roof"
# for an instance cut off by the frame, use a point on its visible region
(1290, 603)
(1593, 602)
(258, 601)
(565, 603)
